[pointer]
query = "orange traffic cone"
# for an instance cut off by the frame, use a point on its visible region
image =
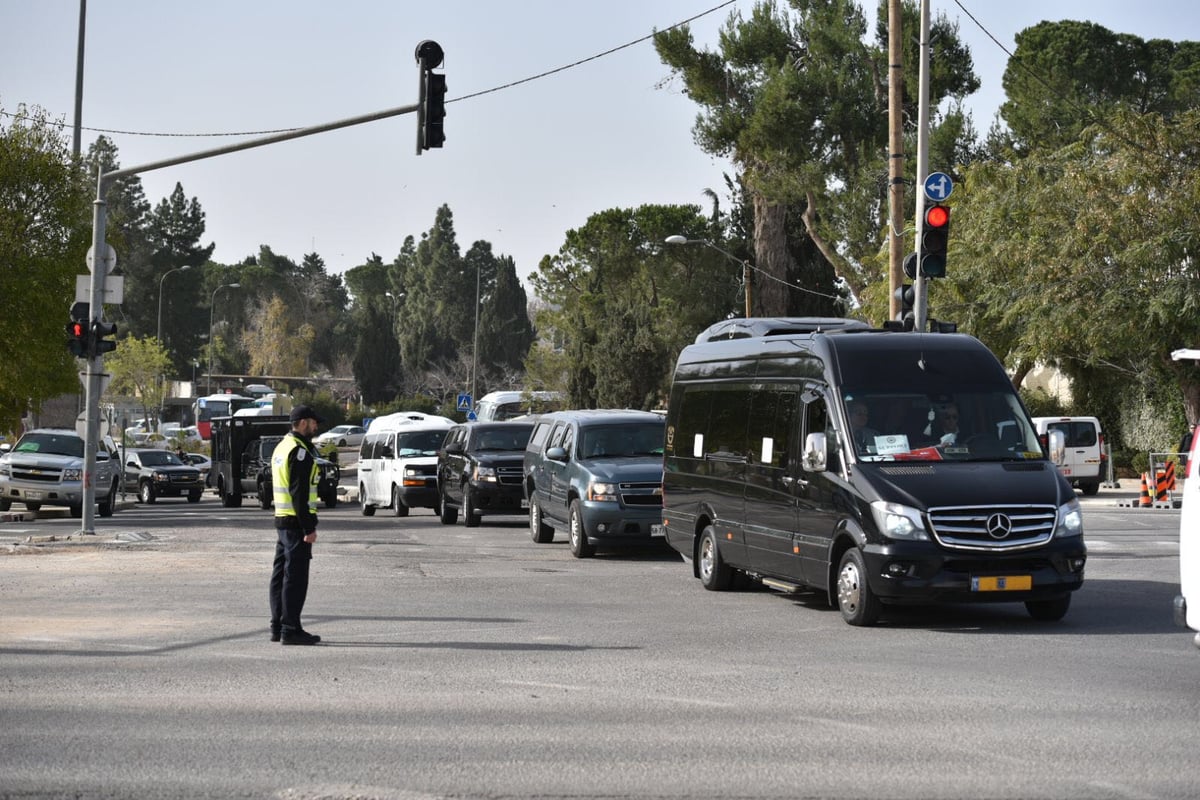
(1144, 498)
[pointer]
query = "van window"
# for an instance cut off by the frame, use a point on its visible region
(771, 423)
(818, 420)
(727, 421)
(539, 435)
(419, 443)
(556, 438)
(1078, 433)
(568, 440)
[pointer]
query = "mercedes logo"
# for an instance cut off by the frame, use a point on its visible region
(999, 526)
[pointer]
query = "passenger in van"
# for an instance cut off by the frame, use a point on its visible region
(862, 433)
(944, 427)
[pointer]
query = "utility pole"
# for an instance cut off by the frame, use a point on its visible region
(920, 302)
(895, 156)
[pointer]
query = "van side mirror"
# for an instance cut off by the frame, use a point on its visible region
(556, 454)
(454, 448)
(1058, 446)
(815, 456)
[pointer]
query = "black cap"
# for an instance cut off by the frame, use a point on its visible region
(305, 412)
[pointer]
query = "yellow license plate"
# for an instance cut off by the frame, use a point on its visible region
(1002, 583)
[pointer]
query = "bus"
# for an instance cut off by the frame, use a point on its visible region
(205, 409)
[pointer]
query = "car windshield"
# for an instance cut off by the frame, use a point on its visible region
(512, 437)
(160, 458)
(52, 443)
(419, 443)
(626, 440)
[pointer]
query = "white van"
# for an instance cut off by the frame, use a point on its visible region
(1083, 462)
(501, 406)
(1187, 614)
(397, 462)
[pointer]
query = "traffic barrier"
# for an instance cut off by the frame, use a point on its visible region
(1166, 483)
(1144, 496)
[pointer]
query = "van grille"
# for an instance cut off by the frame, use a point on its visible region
(641, 494)
(36, 474)
(510, 475)
(1002, 527)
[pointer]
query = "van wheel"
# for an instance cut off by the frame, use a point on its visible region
(856, 601)
(5, 505)
(579, 543)
(470, 516)
(539, 531)
(1090, 489)
(33, 506)
(398, 507)
(146, 492)
(1048, 610)
(715, 574)
(447, 513)
(264, 499)
(368, 510)
(76, 511)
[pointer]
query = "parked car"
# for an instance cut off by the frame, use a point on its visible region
(200, 462)
(45, 468)
(479, 471)
(154, 473)
(598, 474)
(342, 436)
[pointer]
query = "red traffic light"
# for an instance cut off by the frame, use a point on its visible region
(77, 329)
(937, 217)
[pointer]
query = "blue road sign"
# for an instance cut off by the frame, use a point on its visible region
(464, 401)
(471, 416)
(938, 187)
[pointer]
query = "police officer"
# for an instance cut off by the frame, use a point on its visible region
(294, 476)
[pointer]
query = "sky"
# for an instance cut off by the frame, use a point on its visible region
(521, 165)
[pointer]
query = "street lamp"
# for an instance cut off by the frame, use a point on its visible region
(210, 329)
(746, 268)
(160, 295)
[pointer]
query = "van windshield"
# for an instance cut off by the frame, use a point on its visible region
(973, 424)
(52, 443)
(608, 441)
(419, 443)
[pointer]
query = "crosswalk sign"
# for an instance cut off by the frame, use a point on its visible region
(464, 401)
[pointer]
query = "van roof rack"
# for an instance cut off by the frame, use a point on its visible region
(754, 327)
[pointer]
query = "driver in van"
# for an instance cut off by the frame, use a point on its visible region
(862, 434)
(944, 427)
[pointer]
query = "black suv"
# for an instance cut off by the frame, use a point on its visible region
(256, 473)
(479, 470)
(154, 473)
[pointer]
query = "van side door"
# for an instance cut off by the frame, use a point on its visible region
(821, 495)
(771, 483)
(558, 475)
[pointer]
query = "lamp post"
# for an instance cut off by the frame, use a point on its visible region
(158, 335)
(746, 268)
(210, 329)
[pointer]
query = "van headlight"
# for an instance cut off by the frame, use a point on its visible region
(1070, 520)
(602, 492)
(485, 474)
(72, 475)
(897, 521)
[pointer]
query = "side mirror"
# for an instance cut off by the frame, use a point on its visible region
(556, 454)
(454, 448)
(1058, 446)
(815, 457)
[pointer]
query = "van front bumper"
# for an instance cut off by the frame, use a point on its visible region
(921, 572)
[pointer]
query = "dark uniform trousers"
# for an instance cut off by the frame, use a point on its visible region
(289, 579)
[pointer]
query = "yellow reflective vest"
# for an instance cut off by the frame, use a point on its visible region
(281, 473)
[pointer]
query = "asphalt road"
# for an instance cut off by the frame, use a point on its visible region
(476, 664)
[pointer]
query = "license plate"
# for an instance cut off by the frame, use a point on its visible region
(33, 495)
(1002, 583)
(658, 531)
(524, 504)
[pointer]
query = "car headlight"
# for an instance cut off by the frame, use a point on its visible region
(897, 521)
(487, 474)
(162, 477)
(1070, 520)
(5, 470)
(72, 475)
(602, 492)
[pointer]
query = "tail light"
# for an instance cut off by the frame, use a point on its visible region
(1103, 451)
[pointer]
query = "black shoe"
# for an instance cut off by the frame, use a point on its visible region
(276, 633)
(299, 637)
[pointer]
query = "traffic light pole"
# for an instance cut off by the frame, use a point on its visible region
(920, 282)
(95, 361)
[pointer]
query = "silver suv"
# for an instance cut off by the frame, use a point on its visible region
(45, 468)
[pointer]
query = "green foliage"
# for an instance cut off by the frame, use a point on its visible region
(44, 206)
(137, 367)
(1041, 403)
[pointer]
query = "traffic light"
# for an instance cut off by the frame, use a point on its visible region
(101, 329)
(907, 296)
(77, 338)
(935, 239)
(433, 132)
(910, 266)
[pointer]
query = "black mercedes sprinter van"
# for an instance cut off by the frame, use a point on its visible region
(876, 466)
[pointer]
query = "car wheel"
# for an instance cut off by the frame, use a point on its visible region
(1090, 489)
(539, 531)
(109, 504)
(470, 515)
(76, 511)
(447, 513)
(398, 507)
(715, 574)
(5, 505)
(579, 543)
(342, 443)
(265, 499)
(146, 492)
(194, 497)
(1048, 610)
(368, 510)
(331, 500)
(33, 506)
(856, 601)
